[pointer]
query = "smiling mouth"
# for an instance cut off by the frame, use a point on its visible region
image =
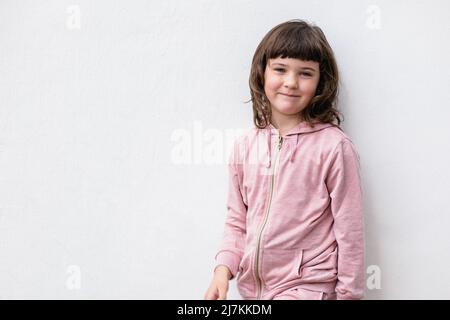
(287, 95)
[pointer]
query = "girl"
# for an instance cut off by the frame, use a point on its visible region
(294, 226)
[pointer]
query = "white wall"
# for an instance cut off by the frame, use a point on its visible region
(96, 98)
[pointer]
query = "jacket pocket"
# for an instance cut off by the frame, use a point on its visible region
(323, 268)
(243, 267)
(279, 266)
(301, 294)
(245, 279)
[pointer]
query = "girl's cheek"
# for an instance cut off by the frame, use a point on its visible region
(309, 87)
(273, 84)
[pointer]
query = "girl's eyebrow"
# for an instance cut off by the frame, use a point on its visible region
(284, 65)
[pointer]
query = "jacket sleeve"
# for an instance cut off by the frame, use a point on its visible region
(345, 190)
(232, 246)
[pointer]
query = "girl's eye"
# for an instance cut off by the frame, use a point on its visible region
(301, 73)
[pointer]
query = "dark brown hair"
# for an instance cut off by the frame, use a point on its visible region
(301, 40)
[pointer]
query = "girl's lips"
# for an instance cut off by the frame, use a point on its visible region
(287, 95)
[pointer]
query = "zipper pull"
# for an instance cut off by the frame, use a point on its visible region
(280, 141)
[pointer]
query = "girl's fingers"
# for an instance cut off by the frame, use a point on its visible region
(211, 294)
(223, 292)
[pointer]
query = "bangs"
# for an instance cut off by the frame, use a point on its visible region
(298, 43)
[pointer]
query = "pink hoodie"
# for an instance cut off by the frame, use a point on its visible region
(295, 215)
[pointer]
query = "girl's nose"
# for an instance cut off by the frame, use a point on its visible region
(291, 82)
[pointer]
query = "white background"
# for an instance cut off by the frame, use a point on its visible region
(95, 95)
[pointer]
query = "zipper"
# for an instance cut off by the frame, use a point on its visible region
(258, 245)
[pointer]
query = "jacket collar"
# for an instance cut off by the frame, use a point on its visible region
(302, 128)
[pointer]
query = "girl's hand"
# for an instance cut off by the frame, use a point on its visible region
(219, 285)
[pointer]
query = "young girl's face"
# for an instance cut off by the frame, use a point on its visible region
(290, 84)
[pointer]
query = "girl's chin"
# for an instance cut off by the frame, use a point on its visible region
(288, 108)
(288, 112)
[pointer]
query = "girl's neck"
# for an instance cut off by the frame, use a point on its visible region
(284, 123)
